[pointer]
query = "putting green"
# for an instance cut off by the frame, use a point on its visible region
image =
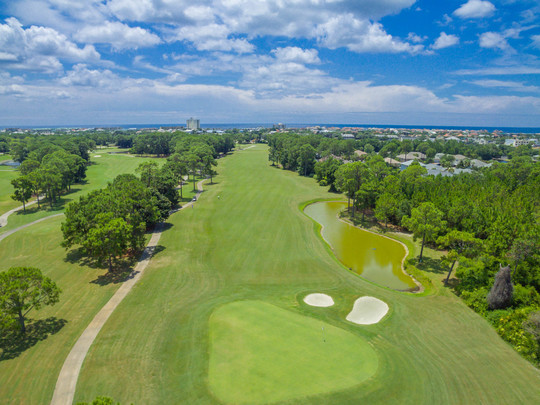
(261, 353)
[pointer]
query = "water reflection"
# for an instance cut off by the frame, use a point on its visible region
(376, 258)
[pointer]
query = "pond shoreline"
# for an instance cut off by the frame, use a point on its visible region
(419, 288)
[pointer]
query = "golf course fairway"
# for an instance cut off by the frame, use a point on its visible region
(261, 353)
(254, 245)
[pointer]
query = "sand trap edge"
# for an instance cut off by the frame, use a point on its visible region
(319, 300)
(368, 311)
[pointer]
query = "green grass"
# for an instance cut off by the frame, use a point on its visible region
(255, 244)
(6, 189)
(261, 353)
(28, 371)
(102, 170)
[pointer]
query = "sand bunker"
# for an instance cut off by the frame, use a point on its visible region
(96, 156)
(367, 311)
(319, 300)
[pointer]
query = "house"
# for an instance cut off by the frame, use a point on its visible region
(479, 164)
(391, 162)
(434, 169)
(360, 153)
(411, 155)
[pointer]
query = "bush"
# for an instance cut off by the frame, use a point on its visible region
(476, 299)
(510, 325)
(525, 297)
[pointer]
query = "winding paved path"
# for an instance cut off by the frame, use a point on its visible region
(5, 235)
(4, 217)
(67, 380)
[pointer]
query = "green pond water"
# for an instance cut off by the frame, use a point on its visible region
(376, 258)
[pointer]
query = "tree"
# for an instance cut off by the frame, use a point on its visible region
(522, 248)
(176, 163)
(108, 238)
(193, 165)
(23, 190)
(425, 221)
(349, 179)
(447, 161)
(100, 400)
(148, 171)
(460, 244)
(385, 208)
(23, 289)
(306, 159)
(406, 147)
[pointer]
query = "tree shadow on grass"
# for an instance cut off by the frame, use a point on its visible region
(430, 265)
(13, 343)
(77, 256)
(123, 268)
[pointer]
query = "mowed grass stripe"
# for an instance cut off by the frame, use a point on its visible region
(254, 244)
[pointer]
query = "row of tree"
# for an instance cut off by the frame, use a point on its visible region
(48, 174)
(299, 152)
(110, 223)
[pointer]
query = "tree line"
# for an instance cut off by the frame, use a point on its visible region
(49, 170)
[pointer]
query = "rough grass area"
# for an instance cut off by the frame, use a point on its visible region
(255, 244)
(29, 366)
(261, 353)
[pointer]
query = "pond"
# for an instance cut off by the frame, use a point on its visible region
(374, 257)
(11, 163)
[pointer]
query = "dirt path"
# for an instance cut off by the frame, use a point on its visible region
(67, 380)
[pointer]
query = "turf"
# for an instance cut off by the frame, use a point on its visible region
(255, 244)
(6, 189)
(261, 353)
(28, 370)
(101, 171)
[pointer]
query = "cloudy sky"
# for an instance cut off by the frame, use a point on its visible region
(425, 62)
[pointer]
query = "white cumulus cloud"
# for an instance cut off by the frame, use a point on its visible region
(445, 41)
(120, 36)
(475, 9)
(40, 48)
(361, 36)
(493, 40)
(295, 54)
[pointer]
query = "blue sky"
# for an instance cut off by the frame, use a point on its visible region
(105, 62)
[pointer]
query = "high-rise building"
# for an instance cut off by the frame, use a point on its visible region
(193, 124)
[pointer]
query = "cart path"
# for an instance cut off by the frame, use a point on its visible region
(4, 217)
(8, 233)
(66, 384)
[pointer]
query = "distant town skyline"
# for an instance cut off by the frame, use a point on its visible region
(387, 62)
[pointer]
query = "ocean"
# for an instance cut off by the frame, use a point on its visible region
(508, 130)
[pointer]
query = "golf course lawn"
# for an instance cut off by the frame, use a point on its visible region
(102, 170)
(261, 353)
(254, 244)
(28, 374)
(6, 189)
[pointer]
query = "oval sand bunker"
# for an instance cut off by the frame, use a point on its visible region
(367, 311)
(319, 300)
